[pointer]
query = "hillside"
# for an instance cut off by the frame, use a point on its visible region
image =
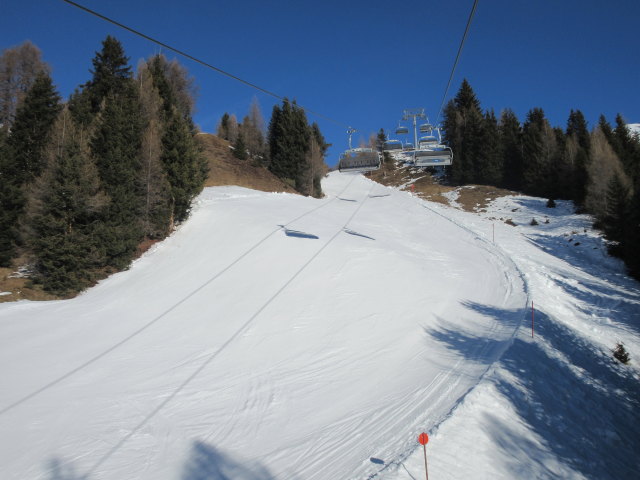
(225, 169)
(278, 336)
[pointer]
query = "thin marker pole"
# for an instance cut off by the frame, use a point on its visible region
(426, 470)
(531, 318)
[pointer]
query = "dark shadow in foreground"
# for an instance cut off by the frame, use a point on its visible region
(208, 463)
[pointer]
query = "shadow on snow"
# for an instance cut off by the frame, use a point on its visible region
(584, 406)
(205, 462)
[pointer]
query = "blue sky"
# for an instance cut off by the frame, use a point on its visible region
(361, 63)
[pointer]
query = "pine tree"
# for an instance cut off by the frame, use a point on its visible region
(183, 162)
(539, 149)
(116, 146)
(577, 156)
(157, 213)
(23, 158)
(511, 135)
(223, 127)
(463, 132)
(111, 76)
(63, 212)
(33, 122)
(239, 148)
(618, 198)
(489, 161)
(627, 148)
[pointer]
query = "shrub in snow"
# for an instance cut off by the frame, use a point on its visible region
(551, 203)
(533, 222)
(621, 354)
(508, 221)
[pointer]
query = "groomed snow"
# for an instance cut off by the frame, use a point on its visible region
(275, 336)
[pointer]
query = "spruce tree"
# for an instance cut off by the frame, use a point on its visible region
(511, 135)
(489, 161)
(116, 146)
(22, 158)
(627, 148)
(223, 127)
(463, 132)
(539, 148)
(184, 164)
(239, 148)
(63, 214)
(157, 212)
(111, 76)
(617, 202)
(33, 122)
(577, 155)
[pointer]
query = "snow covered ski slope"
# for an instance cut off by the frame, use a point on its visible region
(272, 336)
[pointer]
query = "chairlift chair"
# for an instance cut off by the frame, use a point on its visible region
(402, 130)
(426, 128)
(439, 156)
(391, 146)
(359, 160)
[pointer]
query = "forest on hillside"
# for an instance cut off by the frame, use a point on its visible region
(599, 170)
(85, 182)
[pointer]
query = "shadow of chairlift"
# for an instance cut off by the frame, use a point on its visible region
(356, 234)
(297, 233)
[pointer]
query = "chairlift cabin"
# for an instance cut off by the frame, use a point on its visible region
(426, 128)
(359, 160)
(391, 146)
(402, 130)
(439, 156)
(428, 142)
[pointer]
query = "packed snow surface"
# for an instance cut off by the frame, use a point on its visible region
(275, 336)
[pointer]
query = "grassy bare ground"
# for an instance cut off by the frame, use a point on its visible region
(225, 169)
(14, 287)
(471, 198)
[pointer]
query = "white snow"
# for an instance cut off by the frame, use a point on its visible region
(275, 336)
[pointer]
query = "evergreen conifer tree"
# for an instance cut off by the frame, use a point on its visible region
(577, 156)
(539, 149)
(463, 131)
(239, 148)
(33, 122)
(489, 161)
(511, 136)
(63, 213)
(617, 202)
(116, 146)
(223, 127)
(111, 76)
(22, 158)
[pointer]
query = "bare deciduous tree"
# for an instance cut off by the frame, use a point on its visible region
(19, 67)
(604, 165)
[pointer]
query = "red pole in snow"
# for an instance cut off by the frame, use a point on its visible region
(426, 470)
(423, 438)
(531, 318)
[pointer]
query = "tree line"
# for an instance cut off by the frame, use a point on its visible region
(292, 150)
(83, 183)
(599, 170)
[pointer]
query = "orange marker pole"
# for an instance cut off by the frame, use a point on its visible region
(423, 438)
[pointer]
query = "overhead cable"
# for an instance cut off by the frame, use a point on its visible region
(201, 62)
(464, 37)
